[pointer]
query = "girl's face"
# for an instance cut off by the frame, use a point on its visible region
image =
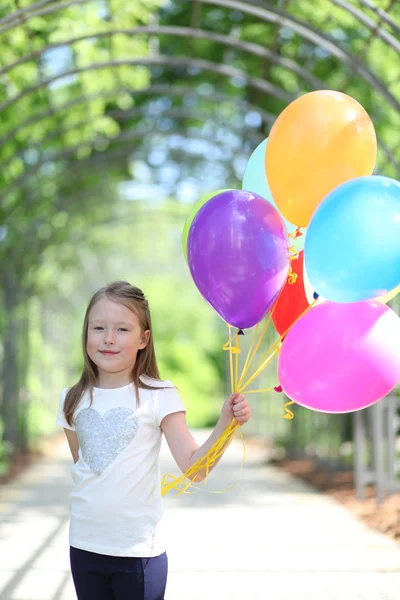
(113, 340)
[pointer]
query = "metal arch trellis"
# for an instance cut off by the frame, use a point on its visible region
(153, 90)
(173, 61)
(158, 60)
(203, 65)
(125, 115)
(176, 61)
(36, 10)
(264, 12)
(253, 48)
(176, 31)
(371, 24)
(259, 9)
(274, 15)
(382, 14)
(249, 47)
(180, 61)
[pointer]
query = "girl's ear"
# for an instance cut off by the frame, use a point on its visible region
(144, 339)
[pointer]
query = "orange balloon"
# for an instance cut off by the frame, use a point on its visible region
(318, 142)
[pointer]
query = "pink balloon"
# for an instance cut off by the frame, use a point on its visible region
(339, 358)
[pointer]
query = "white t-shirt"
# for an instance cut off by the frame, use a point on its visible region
(116, 505)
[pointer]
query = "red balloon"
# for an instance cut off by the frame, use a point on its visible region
(292, 301)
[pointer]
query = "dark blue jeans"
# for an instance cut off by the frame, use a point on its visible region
(101, 577)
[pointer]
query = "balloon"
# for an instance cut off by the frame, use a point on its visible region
(312, 295)
(255, 180)
(352, 249)
(193, 212)
(238, 255)
(292, 301)
(339, 358)
(319, 141)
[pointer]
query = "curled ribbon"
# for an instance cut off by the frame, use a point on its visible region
(289, 414)
(234, 349)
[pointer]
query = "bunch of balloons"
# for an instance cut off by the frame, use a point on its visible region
(313, 238)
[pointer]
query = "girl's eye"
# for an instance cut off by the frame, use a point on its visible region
(100, 328)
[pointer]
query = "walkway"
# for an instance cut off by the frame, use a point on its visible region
(270, 538)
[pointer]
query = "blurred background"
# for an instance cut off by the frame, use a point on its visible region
(115, 118)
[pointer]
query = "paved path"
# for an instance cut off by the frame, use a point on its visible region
(270, 538)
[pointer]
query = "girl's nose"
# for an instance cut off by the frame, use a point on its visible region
(109, 337)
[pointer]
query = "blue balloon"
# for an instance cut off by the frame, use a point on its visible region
(352, 247)
(255, 180)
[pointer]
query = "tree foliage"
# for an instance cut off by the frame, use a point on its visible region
(115, 116)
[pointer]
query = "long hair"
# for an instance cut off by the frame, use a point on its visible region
(133, 298)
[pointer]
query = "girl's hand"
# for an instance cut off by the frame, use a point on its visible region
(235, 406)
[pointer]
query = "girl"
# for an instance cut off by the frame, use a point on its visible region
(114, 418)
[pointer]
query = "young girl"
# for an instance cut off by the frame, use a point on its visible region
(114, 418)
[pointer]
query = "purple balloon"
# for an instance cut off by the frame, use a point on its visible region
(238, 255)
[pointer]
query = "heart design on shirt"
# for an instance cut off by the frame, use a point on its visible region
(103, 438)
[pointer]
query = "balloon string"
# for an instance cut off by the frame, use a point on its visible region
(272, 348)
(252, 352)
(231, 359)
(203, 464)
(206, 462)
(292, 249)
(275, 346)
(270, 389)
(251, 355)
(248, 359)
(236, 350)
(237, 362)
(270, 354)
(259, 370)
(296, 233)
(289, 414)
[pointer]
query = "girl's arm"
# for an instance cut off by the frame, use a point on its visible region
(184, 448)
(73, 443)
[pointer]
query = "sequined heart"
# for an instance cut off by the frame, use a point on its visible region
(103, 438)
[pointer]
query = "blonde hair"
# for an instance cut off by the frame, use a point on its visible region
(133, 298)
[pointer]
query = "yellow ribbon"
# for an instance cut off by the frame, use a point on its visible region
(289, 414)
(203, 463)
(206, 462)
(238, 384)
